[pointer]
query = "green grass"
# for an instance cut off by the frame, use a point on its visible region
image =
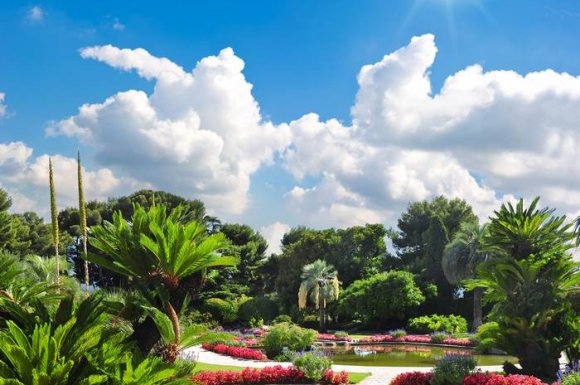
(355, 378)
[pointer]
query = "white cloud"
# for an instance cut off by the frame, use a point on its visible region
(117, 25)
(199, 134)
(273, 234)
(2, 105)
(26, 179)
(518, 134)
(35, 13)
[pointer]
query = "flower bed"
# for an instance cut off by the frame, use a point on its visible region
(498, 379)
(268, 375)
(424, 378)
(332, 337)
(236, 351)
(416, 339)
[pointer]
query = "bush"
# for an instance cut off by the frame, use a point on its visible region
(313, 364)
(452, 369)
(571, 379)
(398, 333)
(413, 378)
(222, 310)
(290, 336)
(439, 337)
(340, 334)
(282, 318)
(485, 337)
(259, 307)
(399, 295)
(268, 375)
(438, 323)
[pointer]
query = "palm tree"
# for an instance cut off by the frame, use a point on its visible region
(461, 258)
(320, 280)
(158, 252)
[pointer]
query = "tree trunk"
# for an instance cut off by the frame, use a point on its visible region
(174, 322)
(322, 309)
(477, 308)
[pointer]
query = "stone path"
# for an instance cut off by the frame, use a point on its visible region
(380, 375)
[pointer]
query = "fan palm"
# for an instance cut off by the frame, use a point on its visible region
(461, 258)
(320, 280)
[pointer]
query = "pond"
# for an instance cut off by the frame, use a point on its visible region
(405, 355)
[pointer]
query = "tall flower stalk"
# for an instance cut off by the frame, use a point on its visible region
(54, 218)
(83, 218)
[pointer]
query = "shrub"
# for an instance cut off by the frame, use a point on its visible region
(438, 323)
(570, 375)
(439, 337)
(259, 307)
(399, 295)
(413, 378)
(282, 318)
(486, 337)
(222, 310)
(452, 369)
(398, 333)
(290, 336)
(571, 379)
(340, 334)
(313, 364)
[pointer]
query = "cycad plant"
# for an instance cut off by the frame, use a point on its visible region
(320, 281)
(157, 252)
(530, 281)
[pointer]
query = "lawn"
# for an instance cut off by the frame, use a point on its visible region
(355, 378)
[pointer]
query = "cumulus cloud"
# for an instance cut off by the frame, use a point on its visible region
(485, 137)
(35, 14)
(26, 179)
(273, 234)
(199, 134)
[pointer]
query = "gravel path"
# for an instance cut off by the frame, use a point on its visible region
(380, 375)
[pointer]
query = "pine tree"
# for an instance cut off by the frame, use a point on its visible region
(83, 218)
(54, 218)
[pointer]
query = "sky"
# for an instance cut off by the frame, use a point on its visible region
(285, 113)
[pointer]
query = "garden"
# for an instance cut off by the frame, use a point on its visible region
(123, 291)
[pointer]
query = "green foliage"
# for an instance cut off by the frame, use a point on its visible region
(398, 333)
(260, 307)
(290, 336)
(320, 280)
(487, 336)
(530, 285)
(282, 318)
(381, 297)
(439, 337)
(355, 252)
(571, 379)
(222, 310)
(423, 232)
(313, 364)
(435, 322)
(340, 334)
(452, 369)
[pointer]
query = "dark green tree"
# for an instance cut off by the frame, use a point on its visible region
(54, 217)
(7, 228)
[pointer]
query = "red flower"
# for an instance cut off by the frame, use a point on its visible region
(251, 376)
(497, 379)
(412, 378)
(236, 351)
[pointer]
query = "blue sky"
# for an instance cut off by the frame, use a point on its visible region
(300, 57)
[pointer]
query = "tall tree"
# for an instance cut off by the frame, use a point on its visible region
(54, 217)
(7, 230)
(462, 257)
(320, 281)
(424, 230)
(83, 218)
